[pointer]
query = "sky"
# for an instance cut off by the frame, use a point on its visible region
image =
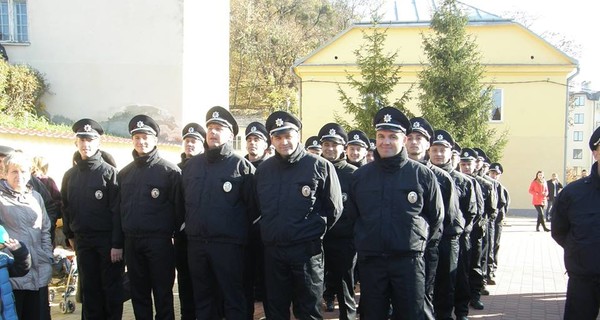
(575, 19)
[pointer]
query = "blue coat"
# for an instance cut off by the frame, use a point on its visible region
(15, 267)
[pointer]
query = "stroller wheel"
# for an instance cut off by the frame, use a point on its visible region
(67, 307)
(51, 295)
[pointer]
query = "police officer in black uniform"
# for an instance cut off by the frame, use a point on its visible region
(340, 254)
(150, 201)
(399, 211)
(495, 172)
(440, 259)
(575, 221)
(486, 204)
(193, 136)
(219, 204)
(299, 198)
(357, 148)
(90, 197)
(313, 145)
(254, 278)
(440, 154)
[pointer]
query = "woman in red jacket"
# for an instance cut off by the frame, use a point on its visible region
(539, 191)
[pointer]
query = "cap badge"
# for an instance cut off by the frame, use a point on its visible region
(279, 122)
(372, 144)
(191, 130)
(344, 197)
(356, 137)
(332, 132)
(253, 129)
(227, 186)
(412, 197)
(416, 125)
(440, 137)
(99, 194)
(306, 191)
(155, 193)
(215, 114)
(466, 154)
(87, 128)
(140, 124)
(387, 118)
(315, 143)
(497, 168)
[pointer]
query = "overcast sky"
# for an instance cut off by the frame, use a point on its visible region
(575, 19)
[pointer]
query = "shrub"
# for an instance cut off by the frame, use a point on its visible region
(21, 88)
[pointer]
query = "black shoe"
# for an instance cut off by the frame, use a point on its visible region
(476, 304)
(329, 306)
(491, 281)
(547, 230)
(484, 292)
(537, 230)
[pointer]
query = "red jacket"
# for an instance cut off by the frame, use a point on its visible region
(539, 191)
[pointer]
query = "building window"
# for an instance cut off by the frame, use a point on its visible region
(577, 153)
(577, 135)
(13, 21)
(578, 118)
(497, 101)
(237, 143)
(579, 101)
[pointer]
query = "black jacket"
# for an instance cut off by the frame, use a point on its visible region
(219, 198)
(397, 205)
(552, 190)
(344, 227)
(298, 197)
(90, 200)
(454, 223)
(575, 223)
(465, 192)
(503, 202)
(150, 196)
(490, 197)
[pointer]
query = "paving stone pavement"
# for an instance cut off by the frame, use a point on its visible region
(531, 279)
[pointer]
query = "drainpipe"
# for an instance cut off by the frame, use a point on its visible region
(567, 124)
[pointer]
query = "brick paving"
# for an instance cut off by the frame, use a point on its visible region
(531, 279)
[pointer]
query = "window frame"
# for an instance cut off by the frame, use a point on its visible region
(577, 154)
(577, 135)
(576, 116)
(14, 23)
(500, 93)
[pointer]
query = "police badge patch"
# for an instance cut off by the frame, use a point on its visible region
(412, 197)
(155, 193)
(227, 186)
(306, 191)
(344, 197)
(99, 194)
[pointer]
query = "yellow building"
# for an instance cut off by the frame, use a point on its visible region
(529, 75)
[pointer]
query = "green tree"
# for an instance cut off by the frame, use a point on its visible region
(379, 75)
(453, 96)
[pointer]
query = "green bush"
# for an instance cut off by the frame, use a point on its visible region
(21, 88)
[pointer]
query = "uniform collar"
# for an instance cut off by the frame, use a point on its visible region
(145, 160)
(90, 163)
(298, 154)
(392, 163)
(218, 153)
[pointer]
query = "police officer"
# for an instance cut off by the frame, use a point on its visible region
(89, 195)
(370, 151)
(356, 149)
(193, 136)
(217, 186)
(442, 257)
(313, 145)
(486, 203)
(575, 221)
(340, 254)
(399, 211)
(495, 172)
(257, 145)
(150, 201)
(300, 197)
(440, 154)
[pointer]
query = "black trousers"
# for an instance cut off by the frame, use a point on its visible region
(217, 267)
(445, 279)
(497, 236)
(32, 304)
(184, 280)
(487, 256)
(294, 273)
(101, 279)
(340, 259)
(432, 257)
(151, 269)
(583, 298)
(254, 273)
(476, 272)
(399, 280)
(462, 292)
(540, 218)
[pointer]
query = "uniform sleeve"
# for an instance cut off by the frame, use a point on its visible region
(114, 194)
(249, 193)
(433, 209)
(331, 196)
(560, 224)
(480, 201)
(470, 205)
(66, 212)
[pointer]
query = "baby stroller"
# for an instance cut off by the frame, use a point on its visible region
(64, 279)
